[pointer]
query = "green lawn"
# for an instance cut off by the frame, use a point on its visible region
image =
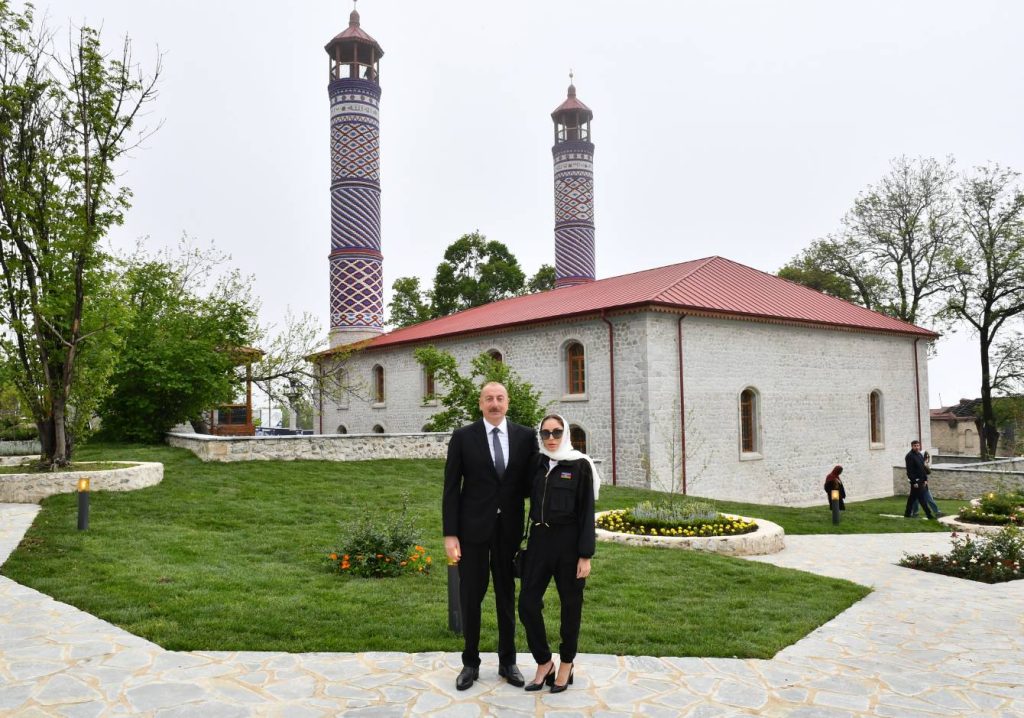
(230, 557)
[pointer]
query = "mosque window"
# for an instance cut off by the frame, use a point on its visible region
(378, 384)
(576, 368)
(496, 355)
(750, 439)
(378, 429)
(578, 438)
(429, 386)
(875, 402)
(342, 429)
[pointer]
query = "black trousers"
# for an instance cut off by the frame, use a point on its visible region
(916, 494)
(478, 562)
(552, 553)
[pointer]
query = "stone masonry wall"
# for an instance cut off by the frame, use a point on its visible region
(814, 389)
(959, 482)
(350, 447)
(814, 386)
(33, 488)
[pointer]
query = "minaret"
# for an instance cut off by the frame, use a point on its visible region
(357, 276)
(573, 153)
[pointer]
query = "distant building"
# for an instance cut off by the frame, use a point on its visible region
(956, 430)
(761, 384)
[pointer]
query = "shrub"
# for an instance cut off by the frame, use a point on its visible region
(624, 521)
(675, 513)
(995, 509)
(990, 560)
(19, 432)
(380, 547)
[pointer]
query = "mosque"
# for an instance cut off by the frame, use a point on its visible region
(705, 377)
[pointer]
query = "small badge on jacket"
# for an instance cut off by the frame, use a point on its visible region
(566, 475)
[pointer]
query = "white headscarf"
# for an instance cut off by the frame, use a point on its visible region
(565, 452)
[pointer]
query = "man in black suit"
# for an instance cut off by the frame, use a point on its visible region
(486, 478)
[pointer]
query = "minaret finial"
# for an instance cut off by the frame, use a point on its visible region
(353, 18)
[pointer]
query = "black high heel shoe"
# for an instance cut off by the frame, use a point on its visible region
(555, 688)
(549, 679)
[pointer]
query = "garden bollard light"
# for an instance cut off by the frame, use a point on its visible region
(83, 504)
(835, 506)
(454, 608)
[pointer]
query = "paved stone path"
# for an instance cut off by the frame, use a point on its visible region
(920, 645)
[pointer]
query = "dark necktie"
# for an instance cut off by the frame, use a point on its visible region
(499, 455)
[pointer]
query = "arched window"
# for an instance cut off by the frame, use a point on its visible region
(378, 429)
(495, 355)
(750, 440)
(968, 439)
(875, 401)
(576, 373)
(429, 389)
(342, 429)
(378, 384)
(578, 438)
(426, 429)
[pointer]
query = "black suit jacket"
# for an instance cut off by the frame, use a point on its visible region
(472, 491)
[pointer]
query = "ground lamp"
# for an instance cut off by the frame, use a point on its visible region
(83, 504)
(835, 506)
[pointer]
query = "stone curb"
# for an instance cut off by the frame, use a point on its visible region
(33, 488)
(982, 529)
(767, 539)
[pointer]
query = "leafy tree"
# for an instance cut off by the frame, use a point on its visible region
(461, 402)
(542, 281)
(893, 248)
(988, 262)
(474, 272)
(64, 124)
(408, 304)
(811, 274)
(180, 346)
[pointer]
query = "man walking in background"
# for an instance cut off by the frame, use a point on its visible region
(917, 476)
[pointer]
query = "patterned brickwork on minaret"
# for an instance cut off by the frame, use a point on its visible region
(574, 192)
(356, 262)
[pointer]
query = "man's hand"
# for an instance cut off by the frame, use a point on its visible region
(583, 568)
(452, 548)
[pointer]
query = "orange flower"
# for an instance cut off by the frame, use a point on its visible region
(402, 564)
(420, 549)
(428, 559)
(345, 557)
(333, 557)
(380, 555)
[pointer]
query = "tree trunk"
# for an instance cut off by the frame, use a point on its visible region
(60, 455)
(989, 439)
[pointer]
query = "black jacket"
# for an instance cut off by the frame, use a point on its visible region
(915, 467)
(565, 495)
(472, 491)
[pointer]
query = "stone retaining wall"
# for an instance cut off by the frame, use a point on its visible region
(966, 481)
(19, 448)
(324, 447)
(769, 538)
(33, 488)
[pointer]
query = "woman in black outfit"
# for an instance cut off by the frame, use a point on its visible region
(560, 546)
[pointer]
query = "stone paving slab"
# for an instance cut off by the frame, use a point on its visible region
(919, 645)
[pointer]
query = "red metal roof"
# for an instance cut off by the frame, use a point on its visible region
(353, 33)
(713, 285)
(572, 104)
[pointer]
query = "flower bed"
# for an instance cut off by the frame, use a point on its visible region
(766, 538)
(991, 560)
(995, 509)
(622, 521)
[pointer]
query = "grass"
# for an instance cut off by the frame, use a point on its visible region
(231, 557)
(75, 467)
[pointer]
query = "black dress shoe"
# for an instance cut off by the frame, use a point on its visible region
(511, 674)
(467, 675)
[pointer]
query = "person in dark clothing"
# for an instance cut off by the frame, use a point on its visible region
(917, 476)
(832, 481)
(486, 478)
(561, 544)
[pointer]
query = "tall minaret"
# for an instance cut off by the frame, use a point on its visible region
(357, 276)
(573, 153)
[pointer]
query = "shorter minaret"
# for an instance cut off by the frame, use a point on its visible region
(573, 154)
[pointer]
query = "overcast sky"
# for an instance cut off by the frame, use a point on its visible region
(742, 129)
